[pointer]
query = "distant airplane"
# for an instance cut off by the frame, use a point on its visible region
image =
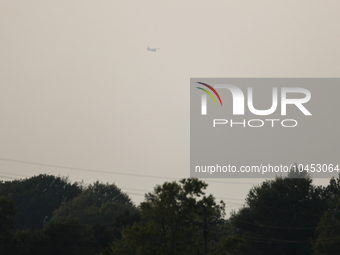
(152, 49)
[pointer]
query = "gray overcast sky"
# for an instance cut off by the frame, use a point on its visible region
(79, 89)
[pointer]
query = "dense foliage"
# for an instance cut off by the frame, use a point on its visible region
(38, 197)
(97, 204)
(280, 216)
(171, 223)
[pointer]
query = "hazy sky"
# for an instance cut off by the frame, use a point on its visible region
(79, 89)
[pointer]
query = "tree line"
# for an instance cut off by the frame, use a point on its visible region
(48, 214)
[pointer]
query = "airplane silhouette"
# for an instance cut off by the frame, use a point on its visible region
(152, 49)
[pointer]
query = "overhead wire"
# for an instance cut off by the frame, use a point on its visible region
(14, 174)
(276, 227)
(144, 190)
(110, 172)
(6, 177)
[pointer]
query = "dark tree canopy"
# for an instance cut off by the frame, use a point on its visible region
(328, 230)
(7, 211)
(284, 216)
(280, 216)
(99, 203)
(84, 225)
(170, 220)
(37, 197)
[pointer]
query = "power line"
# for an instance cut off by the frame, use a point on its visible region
(6, 177)
(229, 203)
(266, 226)
(109, 172)
(231, 206)
(83, 169)
(273, 240)
(275, 227)
(14, 174)
(144, 190)
(258, 238)
(136, 194)
(226, 198)
(249, 183)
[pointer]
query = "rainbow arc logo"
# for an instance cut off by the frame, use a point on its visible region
(209, 93)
